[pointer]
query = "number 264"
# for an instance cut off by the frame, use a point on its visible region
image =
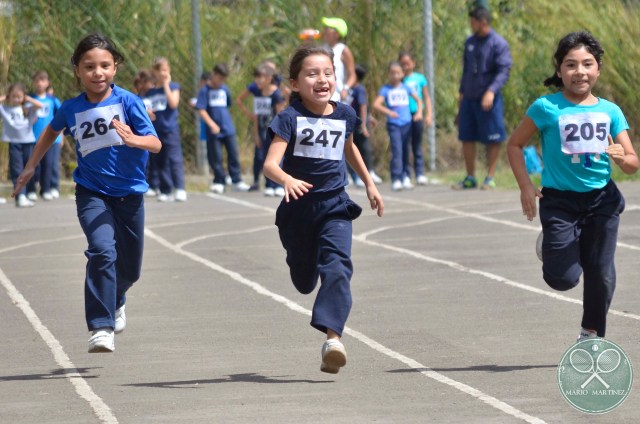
(99, 126)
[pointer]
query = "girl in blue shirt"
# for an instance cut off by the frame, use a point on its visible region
(113, 135)
(580, 205)
(393, 101)
(312, 138)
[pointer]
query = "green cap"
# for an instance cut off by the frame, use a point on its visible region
(336, 23)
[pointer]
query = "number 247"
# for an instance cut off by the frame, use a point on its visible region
(320, 139)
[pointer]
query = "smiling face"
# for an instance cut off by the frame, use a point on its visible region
(315, 82)
(395, 74)
(408, 65)
(579, 72)
(95, 70)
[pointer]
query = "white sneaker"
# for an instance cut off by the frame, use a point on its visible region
(269, 192)
(539, 246)
(23, 202)
(227, 180)
(406, 183)
(396, 185)
(181, 195)
(55, 193)
(217, 188)
(151, 193)
(241, 186)
(102, 341)
(32, 196)
(47, 196)
(121, 320)
(165, 198)
(334, 356)
(422, 180)
(3, 200)
(375, 178)
(586, 335)
(279, 191)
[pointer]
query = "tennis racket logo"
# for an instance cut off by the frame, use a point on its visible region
(607, 362)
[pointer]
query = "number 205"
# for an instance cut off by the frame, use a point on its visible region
(99, 126)
(586, 131)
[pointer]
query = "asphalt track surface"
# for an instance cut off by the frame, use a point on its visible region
(451, 321)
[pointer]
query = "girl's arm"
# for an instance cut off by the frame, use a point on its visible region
(45, 141)
(428, 116)
(378, 104)
(208, 121)
(292, 186)
(518, 140)
(144, 142)
(364, 111)
(173, 96)
(350, 65)
(240, 102)
(352, 154)
(622, 153)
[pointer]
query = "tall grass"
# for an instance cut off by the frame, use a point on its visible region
(41, 34)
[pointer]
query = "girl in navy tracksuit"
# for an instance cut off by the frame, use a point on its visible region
(113, 135)
(314, 136)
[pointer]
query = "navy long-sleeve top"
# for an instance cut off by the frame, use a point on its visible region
(486, 65)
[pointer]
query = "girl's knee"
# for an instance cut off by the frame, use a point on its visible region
(561, 283)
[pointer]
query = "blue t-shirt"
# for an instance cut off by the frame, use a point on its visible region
(416, 82)
(50, 105)
(574, 138)
(105, 165)
(217, 101)
(358, 97)
(264, 107)
(315, 150)
(166, 117)
(397, 99)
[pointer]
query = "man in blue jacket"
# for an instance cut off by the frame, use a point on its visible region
(486, 65)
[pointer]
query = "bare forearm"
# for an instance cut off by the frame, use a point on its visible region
(145, 142)
(516, 160)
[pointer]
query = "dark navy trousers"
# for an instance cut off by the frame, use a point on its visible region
(399, 139)
(580, 232)
(316, 231)
(50, 169)
(170, 162)
(114, 227)
(259, 155)
(415, 147)
(18, 156)
(214, 156)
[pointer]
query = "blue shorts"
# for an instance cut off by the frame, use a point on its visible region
(475, 124)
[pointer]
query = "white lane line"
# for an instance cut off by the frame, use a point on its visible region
(241, 202)
(101, 409)
(406, 225)
(208, 219)
(35, 243)
(488, 275)
(226, 233)
(424, 370)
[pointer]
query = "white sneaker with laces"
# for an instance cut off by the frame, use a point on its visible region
(406, 183)
(32, 196)
(586, 335)
(55, 193)
(102, 341)
(269, 192)
(47, 196)
(23, 202)
(121, 320)
(422, 180)
(241, 186)
(217, 188)
(181, 195)
(396, 185)
(279, 192)
(539, 246)
(334, 356)
(375, 178)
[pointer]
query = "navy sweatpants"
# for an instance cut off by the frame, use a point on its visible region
(417, 128)
(315, 230)
(580, 232)
(170, 162)
(399, 139)
(214, 156)
(18, 156)
(114, 227)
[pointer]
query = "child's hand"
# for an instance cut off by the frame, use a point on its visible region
(215, 128)
(393, 114)
(23, 179)
(295, 188)
(615, 151)
(375, 199)
(365, 131)
(417, 117)
(124, 131)
(528, 199)
(428, 120)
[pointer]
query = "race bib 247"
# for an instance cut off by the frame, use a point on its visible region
(320, 138)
